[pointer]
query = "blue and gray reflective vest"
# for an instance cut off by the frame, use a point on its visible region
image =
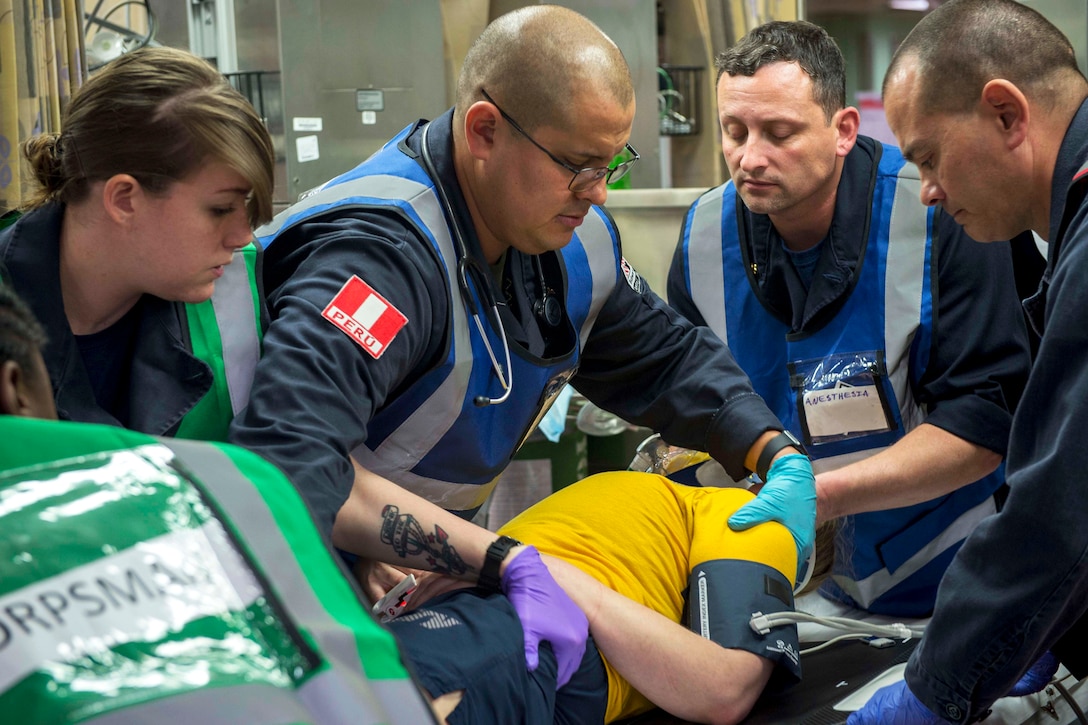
(432, 439)
(162, 580)
(844, 389)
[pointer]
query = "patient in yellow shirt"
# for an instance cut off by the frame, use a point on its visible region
(668, 589)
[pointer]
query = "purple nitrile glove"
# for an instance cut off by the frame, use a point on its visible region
(547, 614)
(789, 497)
(1037, 677)
(894, 705)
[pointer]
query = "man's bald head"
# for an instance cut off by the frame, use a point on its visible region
(534, 61)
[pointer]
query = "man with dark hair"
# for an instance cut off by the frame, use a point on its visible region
(986, 98)
(854, 310)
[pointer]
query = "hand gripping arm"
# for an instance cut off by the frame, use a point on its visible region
(547, 614)
(788, 497)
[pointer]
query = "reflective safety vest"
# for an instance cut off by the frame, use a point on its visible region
(432, 439)
(225, 332)
(159, 580)
(860, 362)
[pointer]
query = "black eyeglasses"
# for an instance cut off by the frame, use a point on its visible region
(583, 179)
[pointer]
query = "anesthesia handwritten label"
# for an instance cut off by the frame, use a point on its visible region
(843, 410)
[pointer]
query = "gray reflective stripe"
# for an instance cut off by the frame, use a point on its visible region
(316, 702)
(250, 514)
(332, 700)
(866, 591)
(319, 700)
(237, 320)
(602, 266)
(399, 453)
(378, 185)
(404, 705)
(904, 277)
(257, 704)
(413, 439)
(704, 263)
(417, 435)
(450, 496)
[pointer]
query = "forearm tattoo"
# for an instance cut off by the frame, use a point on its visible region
(404, 533)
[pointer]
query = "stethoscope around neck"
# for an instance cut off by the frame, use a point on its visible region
(471, 273)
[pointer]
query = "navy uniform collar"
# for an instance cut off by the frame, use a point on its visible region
(1072, 155)
(780, 290)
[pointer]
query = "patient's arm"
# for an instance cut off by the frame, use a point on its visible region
(676, 669)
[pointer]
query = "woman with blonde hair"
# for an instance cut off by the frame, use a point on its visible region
(144, 200)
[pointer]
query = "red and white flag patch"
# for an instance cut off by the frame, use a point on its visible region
(365, 316)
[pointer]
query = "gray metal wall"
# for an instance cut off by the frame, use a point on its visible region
(316, 56)
(632, 24)
(1071, 16)
(257, 50)
(330, 50)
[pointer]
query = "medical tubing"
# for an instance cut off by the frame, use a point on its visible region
(762, 623)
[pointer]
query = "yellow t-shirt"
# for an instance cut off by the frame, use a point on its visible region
(641, 534)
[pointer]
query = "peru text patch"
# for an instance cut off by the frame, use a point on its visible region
(365, 316)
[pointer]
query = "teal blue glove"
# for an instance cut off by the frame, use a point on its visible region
(894, 705)
(788, 497)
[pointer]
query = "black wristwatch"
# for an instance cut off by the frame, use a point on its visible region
(489, 574)
(784, 439)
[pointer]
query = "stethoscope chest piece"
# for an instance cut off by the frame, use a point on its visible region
(548, 310)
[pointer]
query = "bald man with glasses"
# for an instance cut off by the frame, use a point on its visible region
(430, 304)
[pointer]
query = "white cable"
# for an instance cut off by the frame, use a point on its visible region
(762, 624)
(832, 641)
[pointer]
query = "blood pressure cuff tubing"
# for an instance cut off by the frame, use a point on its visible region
(722, 597)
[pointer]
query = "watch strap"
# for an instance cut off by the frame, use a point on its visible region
(784, 439)
(489, 573)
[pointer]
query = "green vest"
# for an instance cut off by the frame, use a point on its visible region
(225, 332)
(160, 580)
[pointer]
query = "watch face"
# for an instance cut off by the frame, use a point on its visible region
(772, 448)
(796, 443)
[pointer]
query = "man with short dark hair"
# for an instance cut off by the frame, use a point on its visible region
(985, 96)
(854, 310)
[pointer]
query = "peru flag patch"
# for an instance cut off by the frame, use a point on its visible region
(365, 316)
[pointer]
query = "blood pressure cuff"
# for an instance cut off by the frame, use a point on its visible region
(723, 595)
(126, 591)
